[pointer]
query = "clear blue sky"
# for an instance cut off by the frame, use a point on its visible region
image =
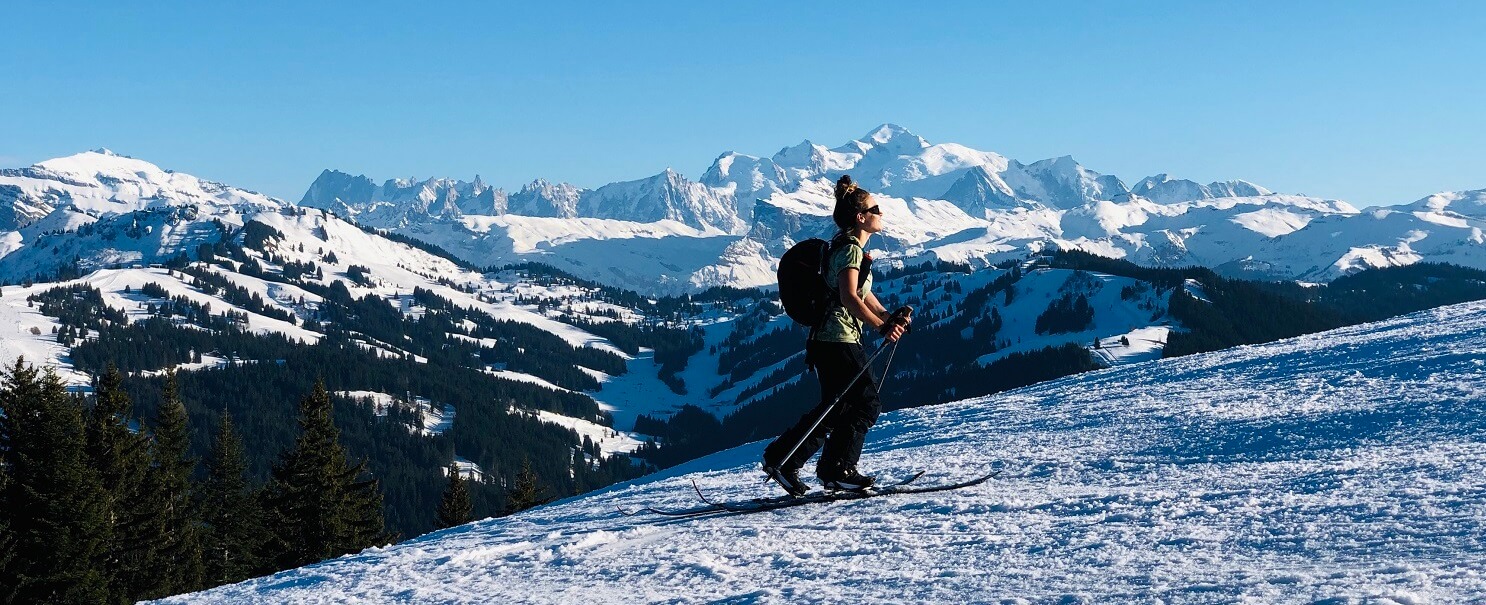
(1372, 102)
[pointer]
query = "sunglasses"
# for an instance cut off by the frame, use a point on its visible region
(877, 210)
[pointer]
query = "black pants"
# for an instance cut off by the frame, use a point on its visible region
(845, 428)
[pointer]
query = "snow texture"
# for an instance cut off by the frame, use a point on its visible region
(1342, 467)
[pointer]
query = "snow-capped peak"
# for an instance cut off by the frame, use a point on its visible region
(979, 191)
(334, 186)
(665, 196)
(894, 139)
(1164, 189)
(801, 154)
(1067, 184)
(102, 182)
(543, 198)
(1465, 203)
(1236, 188)
(90, 164)
(886, 133)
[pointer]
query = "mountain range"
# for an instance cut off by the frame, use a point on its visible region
(667, 234)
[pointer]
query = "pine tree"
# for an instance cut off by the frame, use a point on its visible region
(526, 492)
(7, 539)
(316, 506)
(53, 499)
(363, 513)
(233, 521)
(177, 566)
(121, 458)
(455, 506)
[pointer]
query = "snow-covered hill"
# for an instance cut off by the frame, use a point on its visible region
(1337, 467)
(65, 195)
(124, 220)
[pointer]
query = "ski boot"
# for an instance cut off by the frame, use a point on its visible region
(789, 479)
(848, 480)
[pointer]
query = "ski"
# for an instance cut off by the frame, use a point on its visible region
(669, 512)
(902, 487)
(710, 506)
(734, 507)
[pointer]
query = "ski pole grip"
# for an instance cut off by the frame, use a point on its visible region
(904, 316)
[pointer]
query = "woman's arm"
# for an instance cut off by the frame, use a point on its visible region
(876, 307)
(846, 283)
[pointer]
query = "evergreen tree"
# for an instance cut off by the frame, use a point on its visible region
(316, 507)
(121, 459)
(7, 540)
(233, 521)
(455, 507)
(364, 510)
(52, 499)
(177, 567)
(526, 492)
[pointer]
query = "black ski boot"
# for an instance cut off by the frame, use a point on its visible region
(849, 480)
(789, 479)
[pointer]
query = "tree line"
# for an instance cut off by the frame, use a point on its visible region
(98, 507)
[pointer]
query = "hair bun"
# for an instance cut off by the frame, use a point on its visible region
(844, 187)
(850, 201)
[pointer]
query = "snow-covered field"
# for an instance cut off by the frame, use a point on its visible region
(33, 337)
(608, 440)
(1344, 467)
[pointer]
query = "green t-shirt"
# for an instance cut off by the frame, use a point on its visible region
(840, 325)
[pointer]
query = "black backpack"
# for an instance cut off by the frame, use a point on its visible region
(804, 290)
(802, 284)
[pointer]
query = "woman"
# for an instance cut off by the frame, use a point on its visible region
(834, 350)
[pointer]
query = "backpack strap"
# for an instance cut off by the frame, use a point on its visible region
(834, 300)
(864, 271)
(822, 265)
(835, 245)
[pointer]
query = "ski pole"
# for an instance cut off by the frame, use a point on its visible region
(828, 409)
(887, 365)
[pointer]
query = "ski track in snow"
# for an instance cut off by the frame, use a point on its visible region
(1344, 467)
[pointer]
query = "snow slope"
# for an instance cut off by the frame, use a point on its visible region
(33, 337)
(1342, 467)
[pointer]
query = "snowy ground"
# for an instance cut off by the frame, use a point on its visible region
(1345, 467)
(609, 441)
(640, 391)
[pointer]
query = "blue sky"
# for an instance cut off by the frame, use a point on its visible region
(1375, 103)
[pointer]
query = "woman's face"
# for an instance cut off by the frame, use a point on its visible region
(870, 218)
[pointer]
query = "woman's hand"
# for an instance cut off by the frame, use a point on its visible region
(892, 330)
(897, 324)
